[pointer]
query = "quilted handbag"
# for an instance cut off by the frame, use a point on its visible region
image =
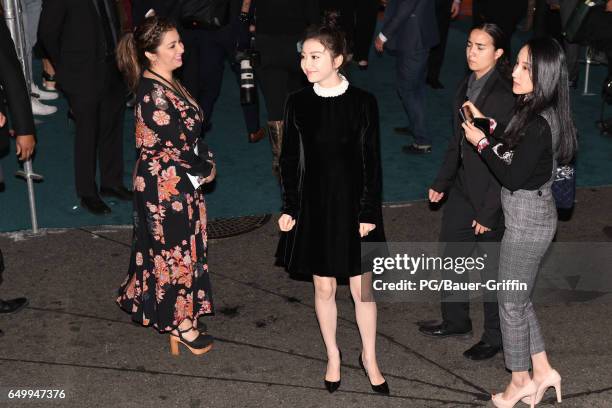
(564, 186)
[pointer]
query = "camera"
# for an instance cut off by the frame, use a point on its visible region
(248, 59)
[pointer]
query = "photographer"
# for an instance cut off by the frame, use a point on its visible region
(206, 51)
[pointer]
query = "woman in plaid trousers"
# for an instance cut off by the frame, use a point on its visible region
(540, 135)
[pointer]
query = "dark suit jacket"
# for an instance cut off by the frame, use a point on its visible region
(72, 34)
(14, 96)
(410, 25)
(463, 169)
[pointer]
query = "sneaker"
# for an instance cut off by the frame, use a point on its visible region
(38, 108)
(43, 95)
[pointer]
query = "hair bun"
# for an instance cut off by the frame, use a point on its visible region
(330, 19)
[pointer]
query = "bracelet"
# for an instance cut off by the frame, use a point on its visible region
(482, 144)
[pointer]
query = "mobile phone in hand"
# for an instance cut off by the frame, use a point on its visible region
(466, 114)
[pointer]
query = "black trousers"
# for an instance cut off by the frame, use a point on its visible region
(597, 32)
(99, 133)
(506, 14)
(436, 54)
(279, 72)
(457, 228)
(366, 13)
(205, 55)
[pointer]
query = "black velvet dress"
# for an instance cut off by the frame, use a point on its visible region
(331, 179)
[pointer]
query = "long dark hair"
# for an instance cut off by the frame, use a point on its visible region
(131, 49)
(330, 35)
(550, 93)
(497, 34)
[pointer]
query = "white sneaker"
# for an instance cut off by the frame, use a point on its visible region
(39, 108)
(43, 95)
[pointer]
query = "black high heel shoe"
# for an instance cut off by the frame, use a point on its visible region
(380, 388)
(332, 386)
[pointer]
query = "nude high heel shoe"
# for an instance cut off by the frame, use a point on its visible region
(553, 380)
(528, 390)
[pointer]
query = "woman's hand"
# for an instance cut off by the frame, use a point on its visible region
(211, 176)
(475, 112)
(365, 228)
(435, 196)
(472, 133)
(286, 222)
(479, 228)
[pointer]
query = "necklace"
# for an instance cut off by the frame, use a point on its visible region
(175, 86)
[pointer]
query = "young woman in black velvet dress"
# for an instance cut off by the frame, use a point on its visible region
(332, 186)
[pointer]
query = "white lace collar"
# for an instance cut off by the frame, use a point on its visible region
(333, 91)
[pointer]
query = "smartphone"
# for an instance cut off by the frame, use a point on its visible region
(466, 114)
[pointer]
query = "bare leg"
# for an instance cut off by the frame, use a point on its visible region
(519, 379)
(327, 315)
(541, 366)
(365, 314)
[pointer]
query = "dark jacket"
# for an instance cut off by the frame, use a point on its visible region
(72, 34)
(283, 17)
(14, 96)
(410, 25)
(463, 169)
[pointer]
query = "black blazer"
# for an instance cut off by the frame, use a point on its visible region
(463, 169)
(14, 96)
(72, 34)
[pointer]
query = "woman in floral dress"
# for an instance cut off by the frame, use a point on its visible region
(168, 284)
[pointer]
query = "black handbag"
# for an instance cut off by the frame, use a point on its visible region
(204, 14)
(564, 186)
(574, 23)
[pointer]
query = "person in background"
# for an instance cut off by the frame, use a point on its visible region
(18, 108)
(366, 14)
(524, 158)
(206, 51)
(472, 217)
(280, 25)
(80, 37)
(410, 30)
(445, 11)
(31, 15)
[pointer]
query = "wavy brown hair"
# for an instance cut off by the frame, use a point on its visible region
(131, 57)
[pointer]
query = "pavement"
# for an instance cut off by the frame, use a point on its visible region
(268, 350)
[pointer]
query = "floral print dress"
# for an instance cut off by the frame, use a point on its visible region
(168, 277)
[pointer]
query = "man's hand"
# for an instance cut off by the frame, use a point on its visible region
(435, 196)
(455, 9)
(2, 120)
(379, 44)
(479, 229)
(25, 146)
